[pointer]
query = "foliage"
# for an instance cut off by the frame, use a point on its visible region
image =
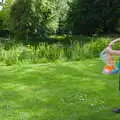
(62, 12)
(36, 19)
(94, 16)
(5, 16)
(29, 19)
(78, 48)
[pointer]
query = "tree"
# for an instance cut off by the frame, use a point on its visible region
(34, 20)
(5, 16)
(63, 8)
(94, 16)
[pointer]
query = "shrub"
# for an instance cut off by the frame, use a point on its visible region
(45, 52)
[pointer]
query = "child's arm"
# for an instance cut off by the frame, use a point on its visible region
(113, 52)
(114, 41)
(109, 48)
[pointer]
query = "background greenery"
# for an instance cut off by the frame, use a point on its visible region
(35, 20)
(62, 48)
(49, 59)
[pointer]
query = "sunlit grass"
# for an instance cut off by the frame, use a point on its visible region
(61, 91)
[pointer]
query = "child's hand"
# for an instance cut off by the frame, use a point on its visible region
(108, 49)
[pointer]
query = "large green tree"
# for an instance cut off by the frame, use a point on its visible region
(34, 20)
(94, 16)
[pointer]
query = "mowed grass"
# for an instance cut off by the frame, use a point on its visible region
(61, 91)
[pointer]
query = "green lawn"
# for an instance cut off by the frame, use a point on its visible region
(61, 91)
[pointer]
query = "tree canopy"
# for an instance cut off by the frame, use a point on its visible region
(35, 20)
(94, 16)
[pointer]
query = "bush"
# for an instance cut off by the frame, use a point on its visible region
(45, 52)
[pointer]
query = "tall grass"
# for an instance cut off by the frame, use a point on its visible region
(76, 50)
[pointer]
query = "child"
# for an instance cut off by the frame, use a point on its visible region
(110, 67)
(110, 61)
